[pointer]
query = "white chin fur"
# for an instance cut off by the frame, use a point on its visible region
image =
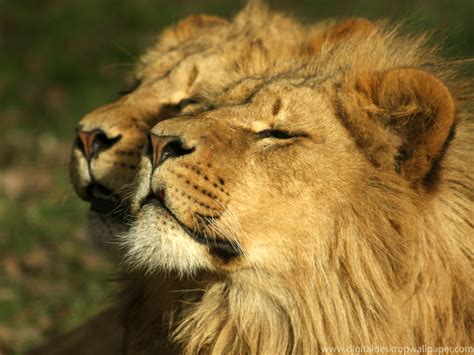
(156, 242)
(103, 231)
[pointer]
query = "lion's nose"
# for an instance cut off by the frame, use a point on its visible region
(91, 143)
(160, 148)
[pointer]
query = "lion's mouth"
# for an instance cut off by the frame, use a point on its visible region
(220, 247)
(105, 202)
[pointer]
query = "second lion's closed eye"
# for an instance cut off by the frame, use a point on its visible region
(276, 133)
(131, 87)
(186, 102)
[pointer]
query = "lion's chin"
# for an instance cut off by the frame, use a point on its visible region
(156, 242)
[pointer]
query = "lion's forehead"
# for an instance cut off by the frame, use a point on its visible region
(157, 59)
(156, 64)
(283, 104)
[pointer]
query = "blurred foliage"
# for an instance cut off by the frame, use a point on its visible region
(61, 58)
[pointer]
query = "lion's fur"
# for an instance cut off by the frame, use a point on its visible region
(341, 245)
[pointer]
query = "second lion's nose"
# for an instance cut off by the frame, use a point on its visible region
(161, 148)
(91, 143)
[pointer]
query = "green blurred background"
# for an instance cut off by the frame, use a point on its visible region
(58, 60)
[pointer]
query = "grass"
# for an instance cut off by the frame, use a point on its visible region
(59, 59)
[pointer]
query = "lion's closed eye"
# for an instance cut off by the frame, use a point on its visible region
(186, 102)
(279, 134)
(131, 87)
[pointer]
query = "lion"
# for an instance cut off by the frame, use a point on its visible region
(329, 205)
(200, 51)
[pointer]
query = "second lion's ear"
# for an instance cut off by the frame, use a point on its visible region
(354, 27)
(418, 109)
(199, 21)
(188, 27)
(358, 27)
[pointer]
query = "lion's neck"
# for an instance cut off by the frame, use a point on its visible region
(247, 315)
(253, 314)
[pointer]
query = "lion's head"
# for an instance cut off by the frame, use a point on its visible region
(200, 53)
(307, 206)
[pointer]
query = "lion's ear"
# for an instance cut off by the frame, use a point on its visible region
(197, 21)
(187, 27)
(355, 27)
(419, 109)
